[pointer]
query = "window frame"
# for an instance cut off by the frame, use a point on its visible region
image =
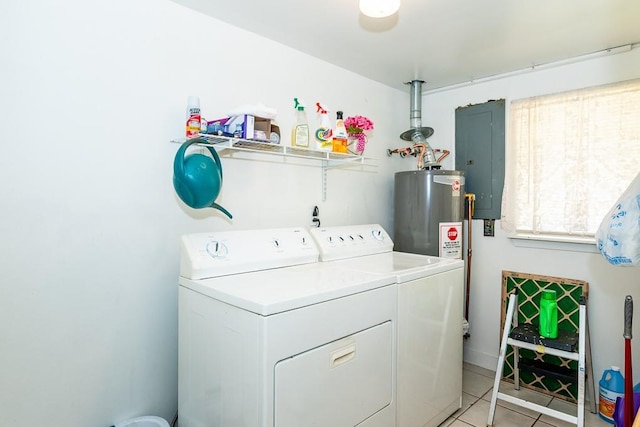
(513, 227)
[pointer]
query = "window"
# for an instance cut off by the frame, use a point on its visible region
(569, 158)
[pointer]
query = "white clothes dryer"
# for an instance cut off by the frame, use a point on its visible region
(268, 337)
(430, 316)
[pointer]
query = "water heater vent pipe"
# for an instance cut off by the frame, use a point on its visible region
(419, 134)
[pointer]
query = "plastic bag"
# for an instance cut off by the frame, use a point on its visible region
(618, 237)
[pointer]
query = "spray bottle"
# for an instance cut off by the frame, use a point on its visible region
(323, 134)
(300, 130)
(340, 135)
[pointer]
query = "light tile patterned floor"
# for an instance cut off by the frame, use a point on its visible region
(477, 385)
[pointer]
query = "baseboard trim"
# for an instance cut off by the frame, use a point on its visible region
(483, 360)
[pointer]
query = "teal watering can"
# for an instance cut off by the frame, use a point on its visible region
(197, 178)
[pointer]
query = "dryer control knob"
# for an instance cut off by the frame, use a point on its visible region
(216, 249)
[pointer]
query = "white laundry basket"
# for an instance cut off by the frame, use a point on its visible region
(149, 421)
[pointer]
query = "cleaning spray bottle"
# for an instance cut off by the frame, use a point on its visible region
(323, 134)
(300, 130)
(340, 135)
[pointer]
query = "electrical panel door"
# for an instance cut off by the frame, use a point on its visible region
(480, 131)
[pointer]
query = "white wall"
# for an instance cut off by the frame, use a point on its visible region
(91, 95)
(608, 285)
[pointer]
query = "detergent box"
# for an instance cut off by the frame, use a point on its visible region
(241, 126)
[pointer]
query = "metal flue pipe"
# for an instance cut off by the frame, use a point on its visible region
(415, 116)
(419, 134)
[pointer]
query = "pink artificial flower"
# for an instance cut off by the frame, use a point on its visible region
(358, 124)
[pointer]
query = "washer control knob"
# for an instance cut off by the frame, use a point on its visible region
(377, 234)
(216, 249)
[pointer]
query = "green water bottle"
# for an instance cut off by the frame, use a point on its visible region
(548, 314)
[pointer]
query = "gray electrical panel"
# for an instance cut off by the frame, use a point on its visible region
(479, 153)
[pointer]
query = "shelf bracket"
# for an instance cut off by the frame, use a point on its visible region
(324, 181)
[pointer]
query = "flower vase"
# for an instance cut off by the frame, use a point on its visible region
(356, 143)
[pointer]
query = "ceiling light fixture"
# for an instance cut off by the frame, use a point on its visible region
(379, 8)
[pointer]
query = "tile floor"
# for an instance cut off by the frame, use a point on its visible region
(477, 385)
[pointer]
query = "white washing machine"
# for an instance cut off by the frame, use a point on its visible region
(430, 316)
(268, 336)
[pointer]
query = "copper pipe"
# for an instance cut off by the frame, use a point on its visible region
(421, 150)
(445, 153)
(422, 154)
(403, 152)
(470, 205)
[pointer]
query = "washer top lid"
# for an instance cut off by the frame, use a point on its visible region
(403, 266)
(224, 253)
(350, 241)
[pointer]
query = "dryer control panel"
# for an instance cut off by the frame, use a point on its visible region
(351, 241)
(215, 254)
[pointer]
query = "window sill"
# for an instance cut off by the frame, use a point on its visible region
(559, 243)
